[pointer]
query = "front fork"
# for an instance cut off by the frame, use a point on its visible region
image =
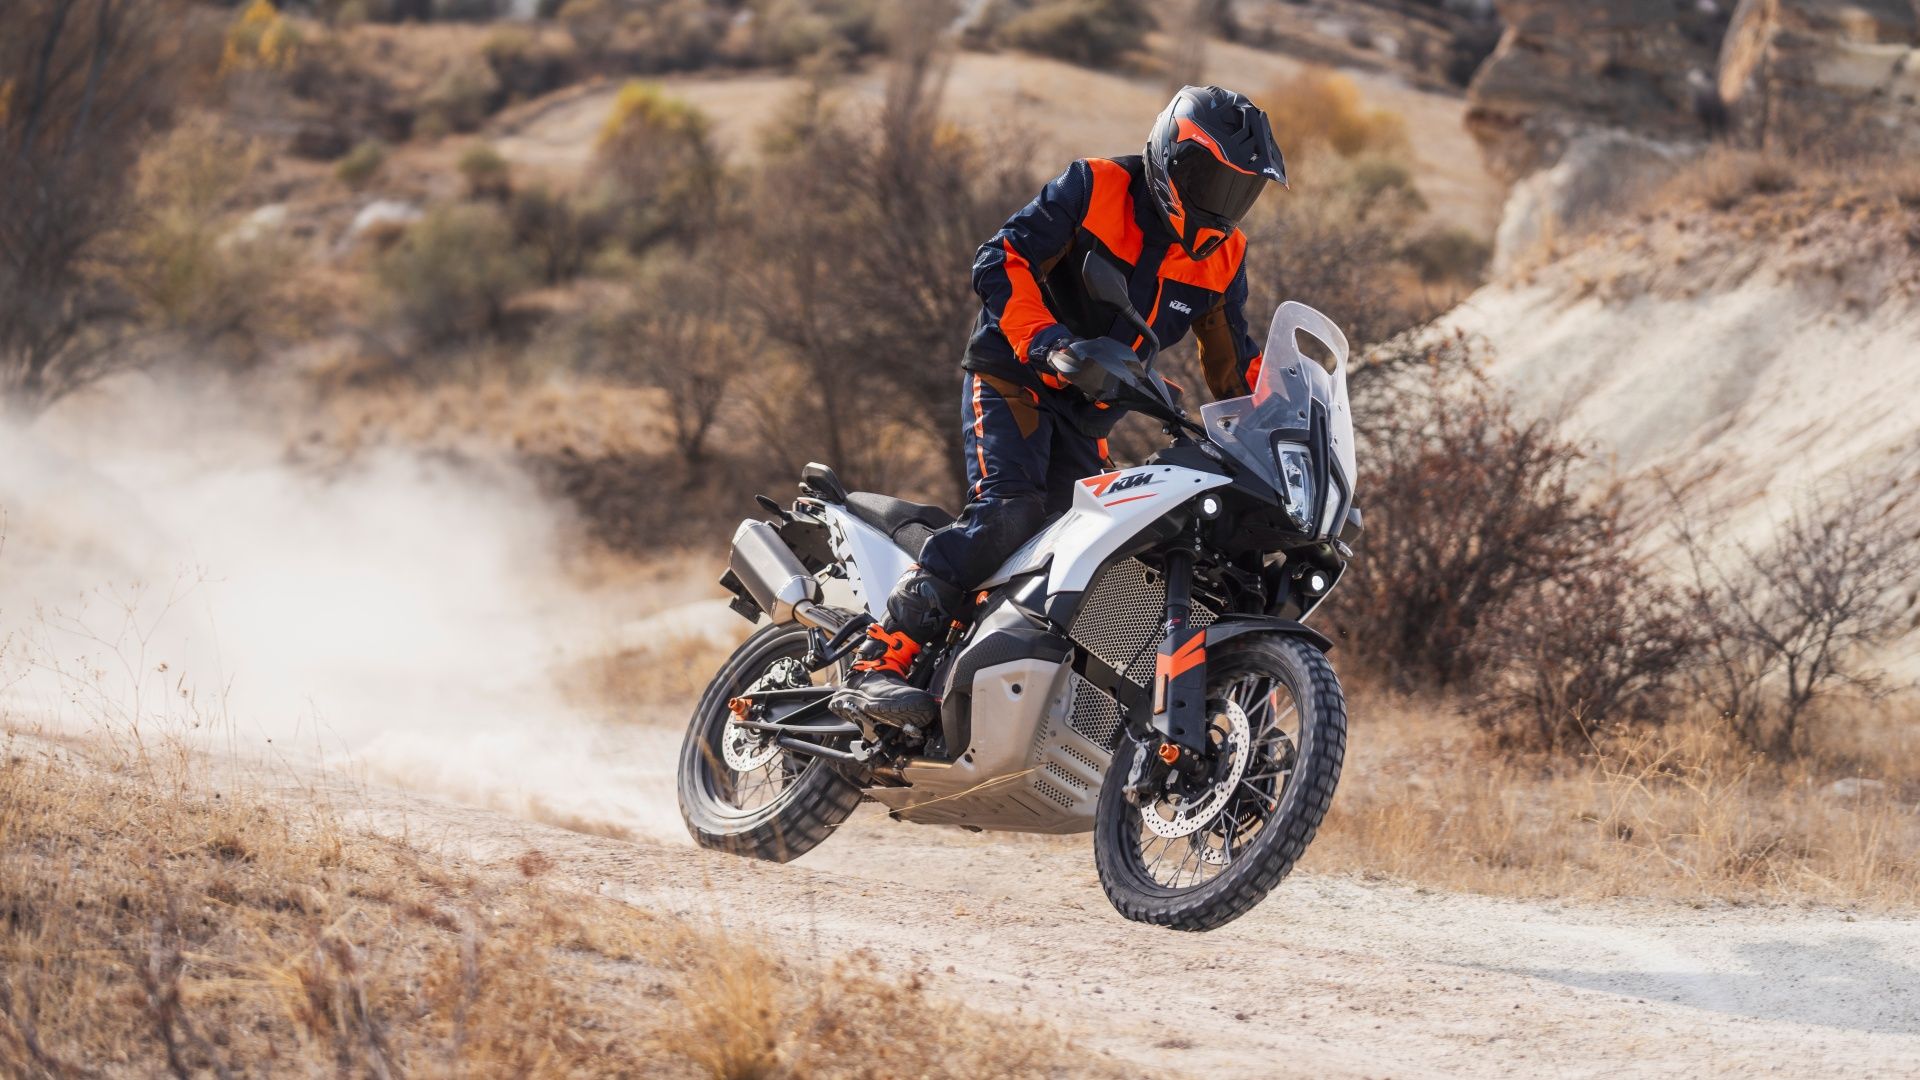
(1174, 737)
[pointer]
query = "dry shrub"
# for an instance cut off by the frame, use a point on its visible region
(683, 335)
(1598, 646)
(1725, 177)
(646, 35)
(656, 168)
(69, 140)
(202, 277)
(650, 36)
(361, 164)
(529, 63)
(463, 95)
(862, 282)
(1093, 33)
(1788, 623)
(1490, 564)
(487, 174)
(1467, 504)
(1320, 109)
(450, 276)
(795, 31)
(560, 232)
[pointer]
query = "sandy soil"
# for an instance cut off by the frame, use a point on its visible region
(1330, 977)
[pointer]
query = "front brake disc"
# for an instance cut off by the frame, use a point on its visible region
(1173, 820)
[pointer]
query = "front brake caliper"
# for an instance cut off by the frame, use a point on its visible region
(1146, 777)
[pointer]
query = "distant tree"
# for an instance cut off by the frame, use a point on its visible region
(864, 276)
(656, 167)
(685, 338)
(82, 83)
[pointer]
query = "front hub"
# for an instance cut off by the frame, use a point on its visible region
(1191, 802)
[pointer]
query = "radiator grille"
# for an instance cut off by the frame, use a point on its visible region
(1095, 717)
(1119, 620)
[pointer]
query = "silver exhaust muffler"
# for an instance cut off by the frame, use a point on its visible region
(773, 575)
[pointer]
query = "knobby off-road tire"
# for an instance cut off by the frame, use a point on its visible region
(1302, 799)
(814, 797)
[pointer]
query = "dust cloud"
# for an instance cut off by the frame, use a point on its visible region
(167, 573)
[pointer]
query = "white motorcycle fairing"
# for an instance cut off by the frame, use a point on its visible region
(872, 560)
(1108, 510)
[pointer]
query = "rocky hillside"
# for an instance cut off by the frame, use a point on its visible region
(1795, 75)
(1707, 262)
(1752, 334)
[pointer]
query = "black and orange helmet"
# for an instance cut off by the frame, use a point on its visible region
(1209, 156)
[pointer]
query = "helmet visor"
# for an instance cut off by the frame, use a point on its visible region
(1204, 183)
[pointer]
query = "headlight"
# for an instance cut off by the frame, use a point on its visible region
(1296, 484)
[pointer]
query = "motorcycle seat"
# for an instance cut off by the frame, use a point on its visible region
(907, 523)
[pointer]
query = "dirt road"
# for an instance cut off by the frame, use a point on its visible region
(1331, 977)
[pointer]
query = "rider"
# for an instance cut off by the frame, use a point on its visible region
(1169, 218)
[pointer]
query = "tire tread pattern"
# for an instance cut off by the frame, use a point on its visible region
(1211, 907)
(825, 797)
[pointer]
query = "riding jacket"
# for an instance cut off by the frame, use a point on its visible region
(1028, 276)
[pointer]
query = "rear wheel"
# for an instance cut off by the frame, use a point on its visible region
(741, 795)
(1279, 725)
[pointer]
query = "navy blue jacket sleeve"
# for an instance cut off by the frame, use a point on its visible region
(1007, 269)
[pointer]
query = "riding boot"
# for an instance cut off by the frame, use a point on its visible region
(878, 693)
(920, 608)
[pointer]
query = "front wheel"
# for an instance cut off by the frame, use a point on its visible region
(1279, 720)
(747, 796)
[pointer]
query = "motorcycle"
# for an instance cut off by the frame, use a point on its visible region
(1140, 669)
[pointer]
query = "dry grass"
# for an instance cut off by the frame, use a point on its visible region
(149, 926)
(1724, 177)
(672, 671)
(1684, 813)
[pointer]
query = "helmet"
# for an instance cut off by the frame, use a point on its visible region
(1208, 158)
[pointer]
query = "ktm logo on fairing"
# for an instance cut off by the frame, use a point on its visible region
(1179, 307)
(1113, 481)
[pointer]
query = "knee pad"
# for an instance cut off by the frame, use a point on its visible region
(922, 605)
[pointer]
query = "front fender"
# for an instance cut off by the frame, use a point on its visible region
(1232, 626)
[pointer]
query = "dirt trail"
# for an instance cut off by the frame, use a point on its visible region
(1331, 977)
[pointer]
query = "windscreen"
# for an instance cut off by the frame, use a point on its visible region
(1282, 401)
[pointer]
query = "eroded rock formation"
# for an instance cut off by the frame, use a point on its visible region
(1824, 74)
(1567, 66)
